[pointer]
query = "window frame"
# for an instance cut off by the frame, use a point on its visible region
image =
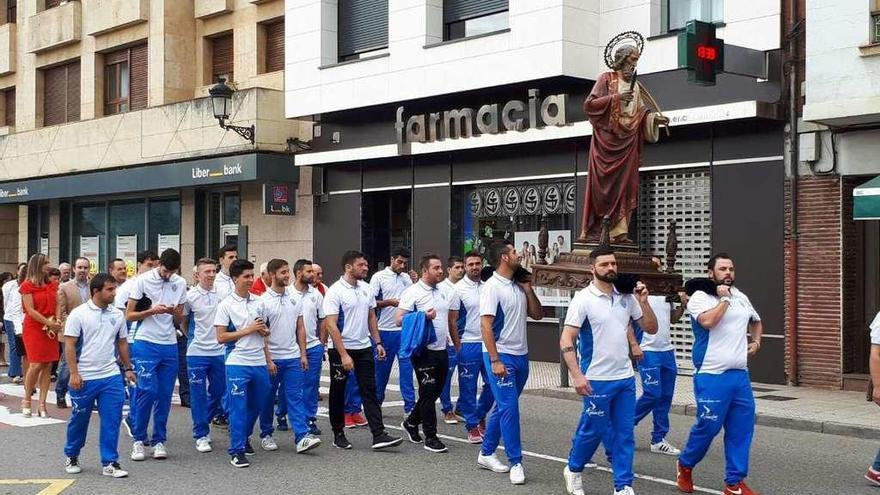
(125, 101)
(875, 27)
(447, 26)
(666, 5)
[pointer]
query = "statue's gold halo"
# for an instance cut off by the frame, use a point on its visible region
(633, 36)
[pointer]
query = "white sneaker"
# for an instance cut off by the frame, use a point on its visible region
(159, 451)
(137, 451)
(268, 443)
(517, 474)
(307, 443)
(574, 482)
(627, 490)
(492, 463)
(664, 447)
(114, 470)
(204, 444)
(71, 466)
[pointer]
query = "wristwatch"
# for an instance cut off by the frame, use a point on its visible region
(380, 343)
(725, 299)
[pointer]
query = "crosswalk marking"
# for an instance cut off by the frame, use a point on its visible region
(55, 487)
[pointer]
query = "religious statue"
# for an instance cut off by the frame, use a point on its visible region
(624, 115)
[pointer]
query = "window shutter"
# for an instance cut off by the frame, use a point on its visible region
(73, 92)
(52, 4)
(223, 59)
(363, 26)
(9, 97)
(11, 10)
(54, 95)
(275, 46)
(461, 10)
(138, 78)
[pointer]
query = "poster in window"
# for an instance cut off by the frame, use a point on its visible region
(89, 248)
(526, 244)
(44, 245)
(168, 241)
(126, 250)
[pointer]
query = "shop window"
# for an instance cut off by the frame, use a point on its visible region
(164, 224)
(222, 58)
(127, 227)
(678, 12)
(466, 18)
(9, 107)
(362, 28)
(125, 80)
(61, 98)
(274, 50)
(11, 10)
(90, 232)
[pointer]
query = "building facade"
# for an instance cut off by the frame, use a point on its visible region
(110, 144)
(443, 125)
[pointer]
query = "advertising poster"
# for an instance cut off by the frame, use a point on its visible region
(44, 245)
(126, 249)
(168, 241)
(527, 245)
(89, 248)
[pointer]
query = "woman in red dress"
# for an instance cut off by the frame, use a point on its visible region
(40, 330)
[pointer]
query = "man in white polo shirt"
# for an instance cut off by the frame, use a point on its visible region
(155, 349)
(351, 321)
(722, 323)
(431, 297)
(388, 285)
(599, 318)
(504, 306)
(288, 360)
(873, 474)
(312, 306)
(99, 330)
(454, 273)
(240, 321)
(204, 354)
(224, 284)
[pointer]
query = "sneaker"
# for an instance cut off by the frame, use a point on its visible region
(203, 444)
(359, 419)
(340, 442)
(128, 424)
(282, 424)
(61, 403)
(16, 380)
(627, 490)
(220, 422)
(492, 463)
(433, 444)
(873, 476)
(349, 421)
(268, 443)
(482, 427)
(591, 465)
(459, 415)
(412, 432)
(314, 430)
(114, 470)
(574, 482)
(450, 418)
(307, 443)
(71, 465)
(664, 447)
(248, 448)
(739, 489)
(159, 451)
(239, 460)
(684, 478)
(475, 436)
(137, 451)
(384, 441)
(518, 474)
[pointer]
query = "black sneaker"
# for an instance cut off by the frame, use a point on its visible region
(240, 461)
(340, 442)
(61, 403)
(313, 429)
(384, 441)
(411, 431)
(282, 424)
(220, 422)
(433, 444)
(248, 448)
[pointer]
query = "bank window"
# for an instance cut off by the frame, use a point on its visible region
(90, 232)
(466, 18)
(127, 230)
(362, 28)
(164, 224)
(11, 10)
(679, 12)
(125, 80)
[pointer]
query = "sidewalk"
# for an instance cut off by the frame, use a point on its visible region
(795, 408)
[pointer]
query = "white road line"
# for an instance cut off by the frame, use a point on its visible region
(16, 419)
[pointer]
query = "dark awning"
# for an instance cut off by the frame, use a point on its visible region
(866, 200)
(193, 173)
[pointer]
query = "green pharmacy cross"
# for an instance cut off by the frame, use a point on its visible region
(700, 52)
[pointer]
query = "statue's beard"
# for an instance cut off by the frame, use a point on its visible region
(628, 72)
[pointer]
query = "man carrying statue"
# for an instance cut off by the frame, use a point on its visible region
(623, 115)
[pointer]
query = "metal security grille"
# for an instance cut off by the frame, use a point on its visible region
(683, 195)
(363, 26)
(459, 10)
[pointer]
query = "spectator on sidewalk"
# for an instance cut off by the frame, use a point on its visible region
(13, 318)
(70, 295)
(4, 336)
(873, 474)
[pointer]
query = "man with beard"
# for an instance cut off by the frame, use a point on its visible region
(722, 323)
(504, 305)
(312, 306)
(351, 321)
(599, 317)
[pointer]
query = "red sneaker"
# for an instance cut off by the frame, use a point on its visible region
(739, 489)
(359, 420)
(349, 421)
(684, 479)
(873, 476)
(475, 435)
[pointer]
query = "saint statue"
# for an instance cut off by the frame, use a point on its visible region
(624, 116)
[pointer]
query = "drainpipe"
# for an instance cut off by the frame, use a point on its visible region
(793, 175)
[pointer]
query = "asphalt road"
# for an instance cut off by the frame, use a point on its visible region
(783, 462)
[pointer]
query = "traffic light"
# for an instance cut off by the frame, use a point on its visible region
(700, 52)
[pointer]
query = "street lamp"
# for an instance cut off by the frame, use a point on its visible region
(221, 101)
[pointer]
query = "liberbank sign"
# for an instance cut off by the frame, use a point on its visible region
(493, 118)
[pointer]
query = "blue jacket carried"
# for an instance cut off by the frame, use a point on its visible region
(416, 332)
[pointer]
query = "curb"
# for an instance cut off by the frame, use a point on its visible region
(763, 419)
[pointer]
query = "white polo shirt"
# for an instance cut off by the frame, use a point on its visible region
(662, 340)
(603, 321)
(282, 313)
(224, 285)
(312, 306)
(236, 312)
(724, 347)
(159, 329)
(422, 297)
(12, 310)
(98, 330)
(875, 330)
(389, 285)
(353, 304)
(201, 306)
(506, 301)
(466, 300)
